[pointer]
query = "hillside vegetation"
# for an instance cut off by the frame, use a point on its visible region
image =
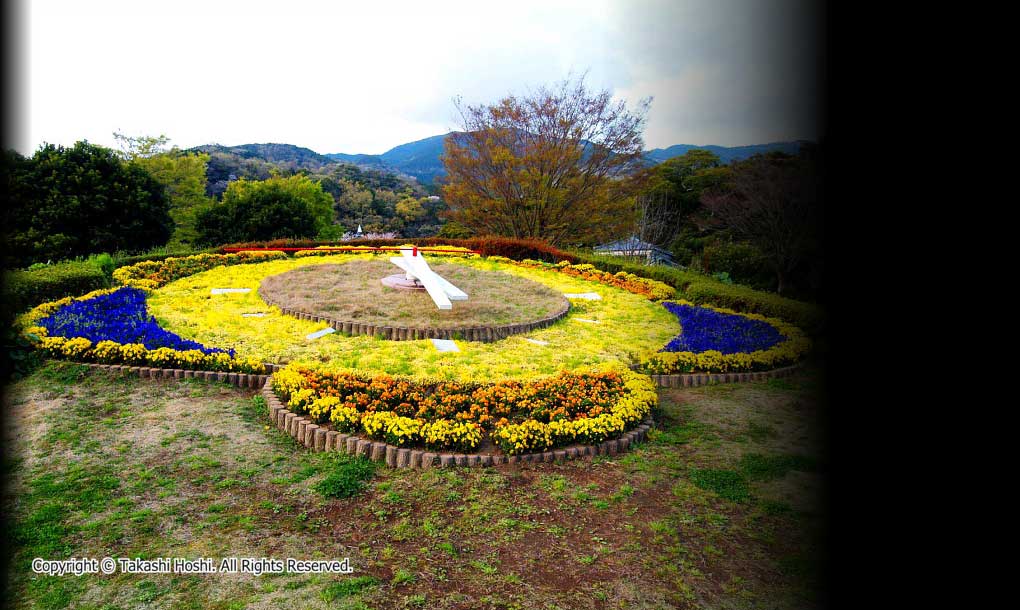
(362, 195)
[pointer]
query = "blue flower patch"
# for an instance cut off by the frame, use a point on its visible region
(705, 329)
(120, 316)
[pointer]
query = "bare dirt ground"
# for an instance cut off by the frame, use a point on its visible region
(353, 291)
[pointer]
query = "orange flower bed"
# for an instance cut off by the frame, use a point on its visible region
(566, 396)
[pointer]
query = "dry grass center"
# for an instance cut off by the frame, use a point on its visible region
(354, 292)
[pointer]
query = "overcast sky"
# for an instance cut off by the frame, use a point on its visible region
(362, 77)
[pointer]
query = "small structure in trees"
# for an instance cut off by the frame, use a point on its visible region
(636, 248)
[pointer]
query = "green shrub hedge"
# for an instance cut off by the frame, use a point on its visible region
(743, 262)
(24, 289)
(124, 261)
(704, 290)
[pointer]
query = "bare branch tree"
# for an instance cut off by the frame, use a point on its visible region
(773, 203)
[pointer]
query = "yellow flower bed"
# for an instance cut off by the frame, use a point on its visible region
(392, 428)
(629, 328)
(451, 416)
(653, 289)
(533, 436)
(149, 275)
(80, 349)
(447, 434)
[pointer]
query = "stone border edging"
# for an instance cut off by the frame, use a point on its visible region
(690, 380)
(251, 380)
(241, 380)
(484, 334)
(317, 438)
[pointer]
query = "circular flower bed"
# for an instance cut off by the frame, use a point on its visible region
(594, 332)
(353, 292)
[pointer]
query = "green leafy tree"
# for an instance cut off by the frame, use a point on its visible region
(355, 202)
(300, 187)
(670, 197)
(410, 209)
(683, 179)
(256, 213)
(455, 230)
(71, 202)
(133, 148)
(182, 174)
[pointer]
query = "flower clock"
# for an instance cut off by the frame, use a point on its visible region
(579, 380)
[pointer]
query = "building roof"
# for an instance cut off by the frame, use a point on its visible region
(631, 244)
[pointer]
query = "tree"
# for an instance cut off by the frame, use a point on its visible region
(302, 188)
(773, 202)
(671, 194)
(133, 148)
(70, 202)
(545, 165)
(182, 174)
(455, 230)
(262, 212)
(409, 208)
(355, 202)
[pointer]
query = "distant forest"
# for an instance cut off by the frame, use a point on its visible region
(363, 196)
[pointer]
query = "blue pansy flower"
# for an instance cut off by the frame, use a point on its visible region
(120, 316)
(705, 329)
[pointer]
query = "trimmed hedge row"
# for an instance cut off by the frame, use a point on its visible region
(24, 289)
(141, 258)
(703, 290)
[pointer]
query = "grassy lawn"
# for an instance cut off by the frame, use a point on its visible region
(720, 508)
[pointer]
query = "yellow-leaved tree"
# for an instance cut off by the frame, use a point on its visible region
(552, 165)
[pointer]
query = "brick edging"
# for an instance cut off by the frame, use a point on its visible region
(485, 334)
(241, 380)
(690, 380)
(317, 438)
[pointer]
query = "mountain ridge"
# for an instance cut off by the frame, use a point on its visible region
(421, 157)
(421, 160)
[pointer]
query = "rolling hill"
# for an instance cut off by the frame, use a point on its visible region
(419, 159)
(727, 154)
